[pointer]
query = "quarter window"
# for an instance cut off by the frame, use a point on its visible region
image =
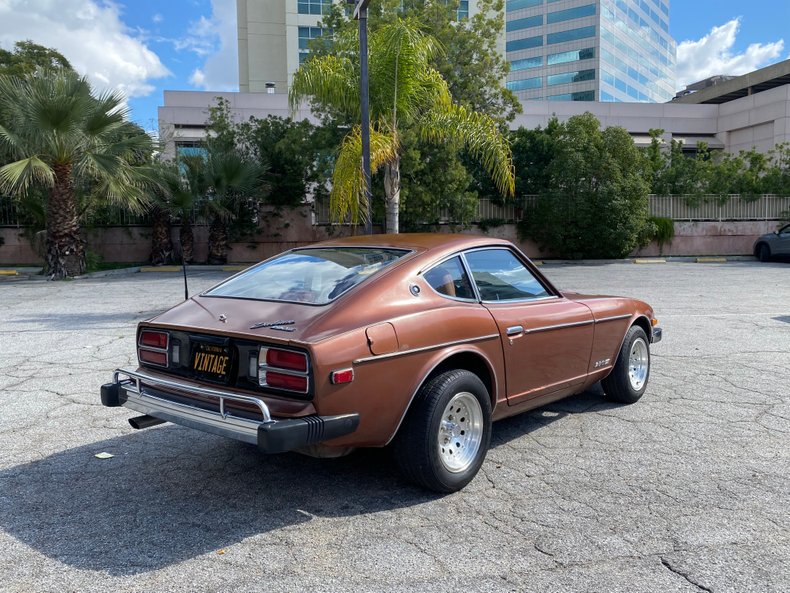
(449, 278)
(500, 276)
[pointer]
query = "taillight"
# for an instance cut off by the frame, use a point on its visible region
(153, 347)
(283, 369)
(154, 339)
(286, 359)
(283, 381)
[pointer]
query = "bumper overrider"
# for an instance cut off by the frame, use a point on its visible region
(143, 392)
(656, 335)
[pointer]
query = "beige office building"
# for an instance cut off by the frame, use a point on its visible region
(274, 37)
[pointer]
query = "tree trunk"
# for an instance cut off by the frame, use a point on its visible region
(392, 195)
(187, 239)
(217, 241)
(65, 254)
(161, 245)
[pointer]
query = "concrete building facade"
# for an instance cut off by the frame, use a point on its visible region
(570, 50)
(731, 119)
(274, 35)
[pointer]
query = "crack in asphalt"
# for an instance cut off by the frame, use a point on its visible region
(680, 573)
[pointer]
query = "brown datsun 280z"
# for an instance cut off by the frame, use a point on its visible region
(413, 341)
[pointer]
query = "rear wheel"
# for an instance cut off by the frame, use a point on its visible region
(763, 252)
(628, 380)
(445, 436)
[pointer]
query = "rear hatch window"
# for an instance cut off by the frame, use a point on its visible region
(316, 276)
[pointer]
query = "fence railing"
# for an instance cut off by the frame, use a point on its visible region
(680, 208)
(719, 208)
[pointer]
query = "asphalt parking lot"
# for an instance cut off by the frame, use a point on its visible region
(687, 490)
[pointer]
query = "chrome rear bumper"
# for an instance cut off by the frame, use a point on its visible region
(140, 391)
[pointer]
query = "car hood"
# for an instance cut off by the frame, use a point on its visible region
(274, 320)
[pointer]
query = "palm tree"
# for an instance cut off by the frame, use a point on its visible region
(405, 91)
(60, 137)
(220, 183)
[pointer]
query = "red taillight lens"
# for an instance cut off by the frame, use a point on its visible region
(158, 358)
(154, 339)
(285, 359)
(340, 377)
(283, 381)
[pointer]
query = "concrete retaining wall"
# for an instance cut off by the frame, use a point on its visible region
(281, 230)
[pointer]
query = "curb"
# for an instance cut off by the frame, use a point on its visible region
(711, 260)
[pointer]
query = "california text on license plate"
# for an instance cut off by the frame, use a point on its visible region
(211, 362)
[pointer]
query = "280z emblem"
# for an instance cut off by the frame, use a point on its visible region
(602, 363)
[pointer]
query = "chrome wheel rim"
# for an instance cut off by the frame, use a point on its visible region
(460, 432)
(638, 364)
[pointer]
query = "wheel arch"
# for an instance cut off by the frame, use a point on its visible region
(644, 323)
(473, 361)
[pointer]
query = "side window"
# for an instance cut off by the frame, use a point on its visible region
(500, 276)
(449, 278)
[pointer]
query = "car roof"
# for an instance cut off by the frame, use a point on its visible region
(440, 242)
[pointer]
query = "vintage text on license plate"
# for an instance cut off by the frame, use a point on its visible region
(210, 361)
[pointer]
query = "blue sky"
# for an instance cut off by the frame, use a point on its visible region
(143, 47)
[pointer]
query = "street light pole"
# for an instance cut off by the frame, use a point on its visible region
(361, 14)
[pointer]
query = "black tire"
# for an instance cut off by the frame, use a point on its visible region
(628, 380)
(449, 465)
(763, 252)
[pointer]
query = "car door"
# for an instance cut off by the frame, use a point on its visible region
(546, 338)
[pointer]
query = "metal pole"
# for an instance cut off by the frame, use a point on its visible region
(362, 12)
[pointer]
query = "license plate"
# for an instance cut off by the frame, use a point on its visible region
(211, 362)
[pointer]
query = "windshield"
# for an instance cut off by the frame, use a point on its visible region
(315, 276)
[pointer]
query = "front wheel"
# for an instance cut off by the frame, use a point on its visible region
(628, 380)
(445, 436)
(764, 253)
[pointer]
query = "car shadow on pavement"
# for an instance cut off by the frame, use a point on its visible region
(170, 494)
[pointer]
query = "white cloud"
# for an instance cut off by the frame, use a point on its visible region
(214, 39)
(157, 18)
(91, 35)
(713, 55)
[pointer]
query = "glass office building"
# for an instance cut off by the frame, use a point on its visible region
(584, 50)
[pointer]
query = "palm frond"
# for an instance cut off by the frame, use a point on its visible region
(479, 134)
(332, 80)
(348, 184)
(16, 178)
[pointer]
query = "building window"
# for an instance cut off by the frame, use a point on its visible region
(570, 35)
(314, 6)
(525, 84)
(519, 4)
(305, 35)
(578, 96)
(526, 43)
(526, 63)
(571, 56)
(463, 9)
(569, 77)
(572, 13)
(532, 21)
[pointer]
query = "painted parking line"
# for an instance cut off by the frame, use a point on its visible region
(161, 269)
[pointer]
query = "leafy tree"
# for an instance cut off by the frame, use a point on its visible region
(27, 57)
(405, 92)
(64, 140)
(294, 153)
(595, 204)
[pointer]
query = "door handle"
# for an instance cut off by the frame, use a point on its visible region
(515, 330)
